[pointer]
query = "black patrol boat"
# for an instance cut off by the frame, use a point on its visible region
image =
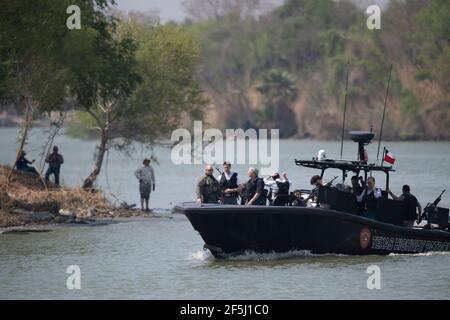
(332, 224)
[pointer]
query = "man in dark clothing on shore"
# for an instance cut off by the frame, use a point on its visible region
(54, 160)
(23, 164)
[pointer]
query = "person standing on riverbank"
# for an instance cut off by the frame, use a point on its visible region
(147, 183)
(54, 160)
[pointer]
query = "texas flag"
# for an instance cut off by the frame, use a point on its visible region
(388, 156)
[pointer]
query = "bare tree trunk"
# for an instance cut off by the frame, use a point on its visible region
(26, 127)
(102, 148)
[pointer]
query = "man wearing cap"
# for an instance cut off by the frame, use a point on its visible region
(54, 160)
(229, 184)
(147, 182)
(412, 207)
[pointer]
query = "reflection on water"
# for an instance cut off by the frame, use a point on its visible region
(163, 258)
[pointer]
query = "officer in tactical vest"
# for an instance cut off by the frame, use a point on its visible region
(411, 205)
(208, 188)
(254, 192)
(229, 184)
(370, 199)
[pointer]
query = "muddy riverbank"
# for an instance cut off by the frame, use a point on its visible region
(27, 203)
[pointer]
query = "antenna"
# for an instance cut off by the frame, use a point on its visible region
(384, 111)
(345, 109)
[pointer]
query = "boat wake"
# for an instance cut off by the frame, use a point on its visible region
(424, 254)
(254, 256)
(203, 255)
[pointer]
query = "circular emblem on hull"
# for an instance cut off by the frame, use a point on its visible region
(364, 238)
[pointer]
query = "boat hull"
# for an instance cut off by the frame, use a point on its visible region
(232, 230)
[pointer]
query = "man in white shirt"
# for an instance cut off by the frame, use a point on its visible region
(369, 199)
(147, 182)
(229, 184)
(279, 186)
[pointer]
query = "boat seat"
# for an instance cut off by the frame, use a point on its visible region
(339, 200)
(439, 216)
(281, 200)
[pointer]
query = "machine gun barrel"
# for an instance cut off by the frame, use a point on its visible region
(429, 204)
(438, 199)
(331, 182)
(316, 189)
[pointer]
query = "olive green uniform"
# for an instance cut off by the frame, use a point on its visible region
(208, 188)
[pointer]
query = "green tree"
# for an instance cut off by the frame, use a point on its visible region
(167, 61)
(431, 40)
(33, 67)
(104, 76)
(279, 90)
(139, 86)
(234, 42)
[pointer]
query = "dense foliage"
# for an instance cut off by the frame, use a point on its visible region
(127, 79)
(311, 42)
